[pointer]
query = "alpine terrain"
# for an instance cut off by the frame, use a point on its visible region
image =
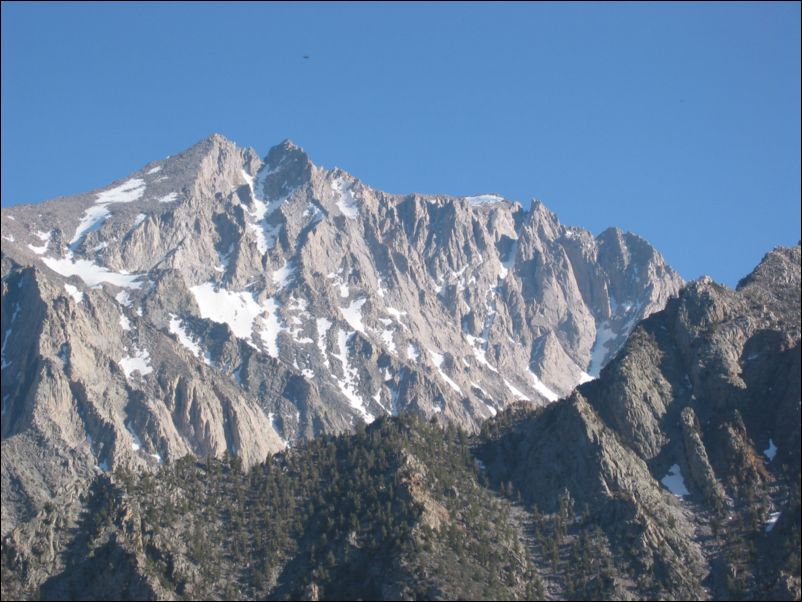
(215, 303)
(674, 475)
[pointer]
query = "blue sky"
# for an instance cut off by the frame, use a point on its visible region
(680, 122)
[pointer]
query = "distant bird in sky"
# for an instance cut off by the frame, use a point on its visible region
(306, 56)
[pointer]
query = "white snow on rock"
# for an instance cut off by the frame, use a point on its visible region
(123, 298)
(437, 359)
(136, 443)
(515, 391)
(127, 192)
(387, 339)
(346, 202)
(323, 326)
(772, 520)
(770, 451)
(156, 169)
(177, 328)
(413, 353)
(283, 275)
(265, 233)
(140, 217)
(348, 383)
(124, 323)
(90, 272)
(674, 481)
(479, 347)
(73, 292)
(541, 388)
(509, 263)
(45, 238)
(604, 335)
(353, 314)
(139, 362)
(584, 377)
(484, 198)
(271, 326)
(238, 310)
(397, 315)
(94, 217)
(168, 198)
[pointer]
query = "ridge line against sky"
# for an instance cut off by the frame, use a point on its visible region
(678, 122)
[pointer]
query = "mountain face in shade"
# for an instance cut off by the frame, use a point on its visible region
(675, 475)
(216, 302)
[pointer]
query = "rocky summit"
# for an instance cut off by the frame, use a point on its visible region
(218, 302)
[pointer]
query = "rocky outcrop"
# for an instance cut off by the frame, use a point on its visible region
(686, 450)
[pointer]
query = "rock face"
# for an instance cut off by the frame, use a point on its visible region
(217, 302)
(675, 475)
(686, 450)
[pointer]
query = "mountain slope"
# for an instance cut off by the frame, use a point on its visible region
(686, 450)
(692, 491)
(216, 302)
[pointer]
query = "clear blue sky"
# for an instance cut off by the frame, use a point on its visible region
(678, 122)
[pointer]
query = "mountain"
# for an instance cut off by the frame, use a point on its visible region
(216, 302)
(675, 475)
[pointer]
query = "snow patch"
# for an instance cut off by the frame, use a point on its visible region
(508, 264)
(479, 348)
(124, 323)
(94, 217)
(515, 391)
(271, 327)
(140, 217)
(90, 272)
(437, 359)
(238, 310)
(772, 520)
(156, 169)
(177, 328)
(323, 326)
(136, 444)
(266, 234)
(346, 202)
(45, 238)
(674, 481)
(347, 384)
(484, 198)
(283, 275)
(413, 352)
(73, 292)
(353, 314)
(123, 298)
(541, 388)
(770, 451)
(224, 259)
(168, 198)
(139, 362)
(389, 343)
(604, 335)
(127, 192)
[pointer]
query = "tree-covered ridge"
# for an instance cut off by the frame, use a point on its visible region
(401, 509)
(395, 510)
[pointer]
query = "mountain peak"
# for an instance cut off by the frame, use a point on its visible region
(286, 149)
(289, 160)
